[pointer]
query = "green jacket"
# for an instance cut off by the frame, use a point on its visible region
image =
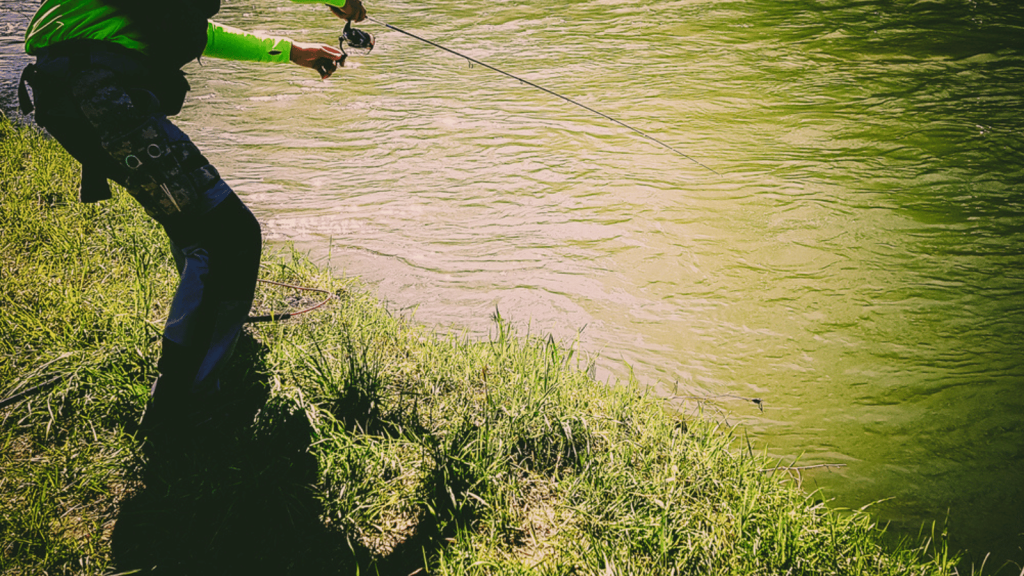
(59, 20)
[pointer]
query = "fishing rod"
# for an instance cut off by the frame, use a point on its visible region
(271, 317)
(541, 88)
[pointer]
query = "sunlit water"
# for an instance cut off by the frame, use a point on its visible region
(858, 264)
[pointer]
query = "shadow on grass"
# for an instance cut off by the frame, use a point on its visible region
(238, 499)
(234, 498)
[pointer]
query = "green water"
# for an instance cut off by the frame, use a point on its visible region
(858, 264)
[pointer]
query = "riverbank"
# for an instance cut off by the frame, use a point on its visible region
(361, 440)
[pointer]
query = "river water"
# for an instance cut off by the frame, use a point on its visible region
(857, 263)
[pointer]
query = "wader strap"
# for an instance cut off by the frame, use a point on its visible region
(94, 186)
(24, 102)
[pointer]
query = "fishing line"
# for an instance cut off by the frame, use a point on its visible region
(543, 89)
(278, 316)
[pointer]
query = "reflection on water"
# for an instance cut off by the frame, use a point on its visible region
(858, 264)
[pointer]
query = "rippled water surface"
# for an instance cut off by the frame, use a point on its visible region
(858, 264)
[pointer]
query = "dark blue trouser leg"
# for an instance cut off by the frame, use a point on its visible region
(218, 276)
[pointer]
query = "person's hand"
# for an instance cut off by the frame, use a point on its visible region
(352, 10)
(320, 57)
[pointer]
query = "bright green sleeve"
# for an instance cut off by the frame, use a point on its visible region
(234, 44)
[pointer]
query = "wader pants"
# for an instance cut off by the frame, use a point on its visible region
(109, 110)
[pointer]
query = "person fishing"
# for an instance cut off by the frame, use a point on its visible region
(106, 78)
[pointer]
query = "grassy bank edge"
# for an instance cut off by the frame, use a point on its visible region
(373, 444)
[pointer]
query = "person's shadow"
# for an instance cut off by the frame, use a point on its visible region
(236, 497)
(232, 498)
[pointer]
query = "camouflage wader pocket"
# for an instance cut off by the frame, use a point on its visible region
(155, 176)
(167, 175)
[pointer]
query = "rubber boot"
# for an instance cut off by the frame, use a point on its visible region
(170, 402)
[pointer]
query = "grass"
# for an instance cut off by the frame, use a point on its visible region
(365, 443)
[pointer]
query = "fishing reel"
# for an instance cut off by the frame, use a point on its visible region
(355, 38)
